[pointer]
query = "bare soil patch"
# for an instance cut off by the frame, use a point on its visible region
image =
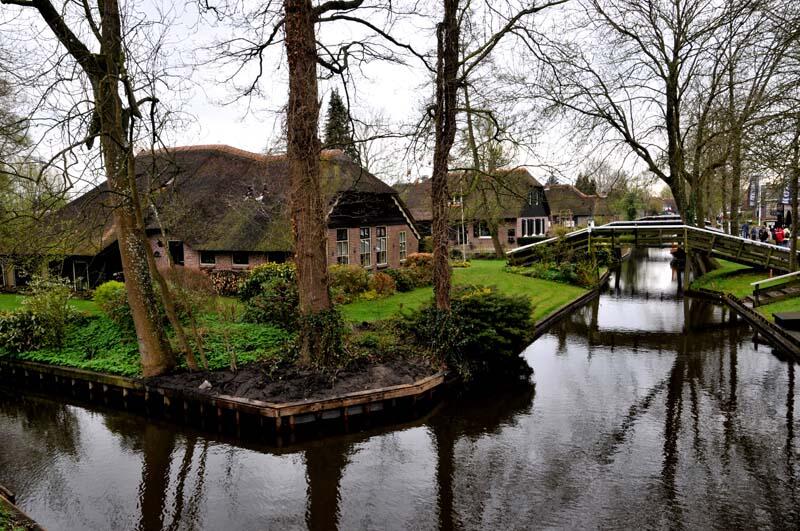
(260, 381)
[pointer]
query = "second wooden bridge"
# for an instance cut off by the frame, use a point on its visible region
(658, 234)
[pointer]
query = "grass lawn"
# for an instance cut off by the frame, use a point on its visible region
(789, 305)
(730, 278)
(10, 302)
(545, 295)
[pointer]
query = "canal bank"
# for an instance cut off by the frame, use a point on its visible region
(646, 409)
(244, 415)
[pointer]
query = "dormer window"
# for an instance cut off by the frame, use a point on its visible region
(457, 201)
(534, 197)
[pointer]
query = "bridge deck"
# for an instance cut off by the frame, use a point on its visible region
(659, 234)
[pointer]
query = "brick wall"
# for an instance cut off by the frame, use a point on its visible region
(392, 241)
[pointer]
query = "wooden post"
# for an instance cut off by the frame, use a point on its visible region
(687, 260)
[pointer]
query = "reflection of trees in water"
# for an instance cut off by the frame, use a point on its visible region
(39, 429)
(484, 412)
(325, 463)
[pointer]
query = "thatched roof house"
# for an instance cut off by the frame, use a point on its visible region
(571, 207)
(223, 207)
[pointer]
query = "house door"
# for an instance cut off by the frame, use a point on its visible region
(176, 252)
(80, 275)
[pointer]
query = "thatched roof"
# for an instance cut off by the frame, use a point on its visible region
(506, 192)
(564, 197)
(218, 198)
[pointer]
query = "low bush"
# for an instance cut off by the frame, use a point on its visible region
(421, 267)
(192, 289)
(382, 284)
(261, 274)
(112, 300)
(49, 303)
(426, 244)
(277, 303)
(404, 278)
(226, 282)
(21, 331)
(348, 281)
(483, 334)
(460, 263)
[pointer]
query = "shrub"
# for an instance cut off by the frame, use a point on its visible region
(21, 331)
(426, 244)
(460, 263)
(251, 285)
(277, 303)
(404, 278)
(192, 289)
(325, 331)
(483, 334)
(382, 284)
(226, 282)
(49, 303)
(421, 266)
(349, 280)
(112, 300)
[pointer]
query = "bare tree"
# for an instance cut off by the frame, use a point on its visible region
(111, 117)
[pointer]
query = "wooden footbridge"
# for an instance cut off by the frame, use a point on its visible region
(657, 233)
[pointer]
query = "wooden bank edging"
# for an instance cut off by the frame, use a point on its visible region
(282, 414)
(543, 325)
(21, 520)
(774, 333)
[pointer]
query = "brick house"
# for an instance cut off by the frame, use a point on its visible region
(512, 199)
(221, 208)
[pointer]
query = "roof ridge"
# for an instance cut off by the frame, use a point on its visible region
(326, 154)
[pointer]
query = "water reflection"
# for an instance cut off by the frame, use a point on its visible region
(646, 409)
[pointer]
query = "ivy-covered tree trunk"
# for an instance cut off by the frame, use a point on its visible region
(105, 71)
(303, 153)
(794, 175)
(156, 355)
(447, 34)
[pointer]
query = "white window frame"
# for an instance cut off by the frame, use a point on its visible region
(343, 247)
(233, 262)
(531, 223)
(381, 246)
(365, 247)
(401, 245)
(481, 225)
(210, 263)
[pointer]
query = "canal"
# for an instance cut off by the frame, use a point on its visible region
(645, 410)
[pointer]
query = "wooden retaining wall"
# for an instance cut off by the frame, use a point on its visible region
(543, 325)
(22, 521)
(777, 336)
(221, 411)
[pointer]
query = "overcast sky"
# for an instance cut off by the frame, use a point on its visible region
(213, 111)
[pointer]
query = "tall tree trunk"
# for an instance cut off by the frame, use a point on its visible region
(726, 217)
(447, 35)
(794, 177)
(156, 355)
(303, 153)
(736, 179)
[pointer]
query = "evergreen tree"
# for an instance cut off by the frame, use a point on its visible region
(338, 132)
(552, 179)
(585, 184)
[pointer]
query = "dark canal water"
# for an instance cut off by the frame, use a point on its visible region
(645, 410)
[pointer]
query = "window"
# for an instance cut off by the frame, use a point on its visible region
(534, 197)
(533, 227)
(402, 245)
(176, 252)
(456, 201)
(512, 235)
(342, 247)
(461, 234)
(380, 249)
(208, 258)
(365, 247)
(481, 230)
(241, 258)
